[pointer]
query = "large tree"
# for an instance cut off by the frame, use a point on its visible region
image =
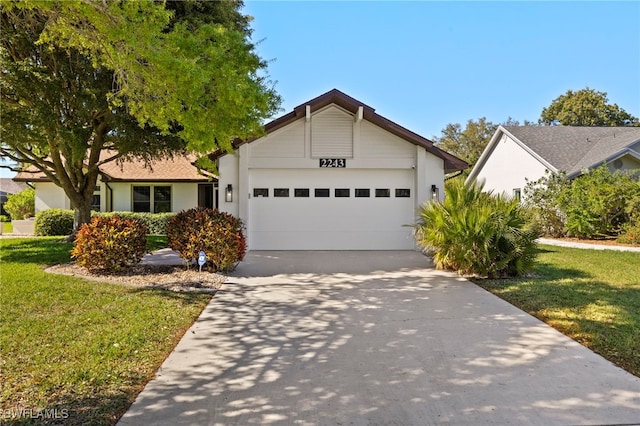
(467, 143)
(141, 79)
(585, 107)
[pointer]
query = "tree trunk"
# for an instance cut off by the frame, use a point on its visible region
(81, 215)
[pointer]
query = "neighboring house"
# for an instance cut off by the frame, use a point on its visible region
(168, 185)
(332, 175)
(518, 153)
(8, 187)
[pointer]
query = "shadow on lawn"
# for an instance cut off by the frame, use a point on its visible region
(52, 250)
(47, 251)
(603, 317)
(96, 410)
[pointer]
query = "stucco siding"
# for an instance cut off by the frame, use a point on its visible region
(283, 143)
(50, 196)
(184, 195)
(508, 167)
(228, 170)
(329, 180)
(624, 163)
(378, 143)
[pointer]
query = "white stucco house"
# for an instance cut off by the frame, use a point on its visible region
(332, 175)
(518, 153)
(168, 185)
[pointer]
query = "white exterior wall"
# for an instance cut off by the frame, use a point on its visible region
(628, 163)
(284, 159)
(121, 196)
(184, 195)
(50, 196)
(508, 167)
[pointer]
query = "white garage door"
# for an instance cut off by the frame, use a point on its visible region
(331, 209)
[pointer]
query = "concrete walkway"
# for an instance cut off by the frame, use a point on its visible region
(375, 338)
(574, 244)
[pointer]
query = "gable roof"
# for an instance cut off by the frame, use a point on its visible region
(346, 102)
(568, 148)
(9, 186)
(180, 168)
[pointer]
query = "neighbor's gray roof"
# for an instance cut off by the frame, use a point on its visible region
(9, 186)
(574, 149)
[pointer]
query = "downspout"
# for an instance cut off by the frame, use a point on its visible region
(110, 207)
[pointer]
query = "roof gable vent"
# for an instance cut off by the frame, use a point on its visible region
(332, 134)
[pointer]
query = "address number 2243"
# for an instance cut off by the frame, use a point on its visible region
(333, 162)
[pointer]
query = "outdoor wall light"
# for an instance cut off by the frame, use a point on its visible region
(228, 194)
(435, 192)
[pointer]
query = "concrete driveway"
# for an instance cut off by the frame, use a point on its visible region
(375, 338)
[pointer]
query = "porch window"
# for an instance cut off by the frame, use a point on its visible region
(517, 193)
(152, 199)
(95, 200)
(95, 203)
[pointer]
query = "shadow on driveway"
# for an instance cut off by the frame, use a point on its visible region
(319, 338)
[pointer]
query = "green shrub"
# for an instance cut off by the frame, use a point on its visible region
(54, 222)
(3, 218)
(156, 222)
(21, 205)
(542, 198)
(218, 234)
(630, 234)
(477, 233)
(596, 203)
(107, 244)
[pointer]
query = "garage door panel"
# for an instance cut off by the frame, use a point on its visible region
(331, 223)
(322, 240)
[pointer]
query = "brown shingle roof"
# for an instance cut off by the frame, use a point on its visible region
(180, 168)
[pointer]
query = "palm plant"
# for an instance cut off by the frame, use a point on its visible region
(477, 233)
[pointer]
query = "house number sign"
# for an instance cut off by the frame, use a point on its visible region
(333, 162)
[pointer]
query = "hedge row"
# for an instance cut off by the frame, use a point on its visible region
(108, 244)
(60, 222)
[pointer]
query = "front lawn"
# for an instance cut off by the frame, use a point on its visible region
(7, 227)
(592, 296)
(82, 348)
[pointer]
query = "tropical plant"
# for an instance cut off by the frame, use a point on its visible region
(630, 234)
(219, 235)
(107, 244)
(21, 205)
(477, 233)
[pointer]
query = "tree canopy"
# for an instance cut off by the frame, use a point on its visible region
(586, 107)
(467, 143)
(137, 79)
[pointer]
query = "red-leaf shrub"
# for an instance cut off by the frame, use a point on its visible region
(219, 235)
(107, 244)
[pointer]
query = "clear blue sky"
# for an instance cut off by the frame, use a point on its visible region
(425, 64)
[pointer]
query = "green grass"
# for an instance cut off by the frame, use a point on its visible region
(7, 227)
(86, 347)
(156, 242)
(592, 296)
